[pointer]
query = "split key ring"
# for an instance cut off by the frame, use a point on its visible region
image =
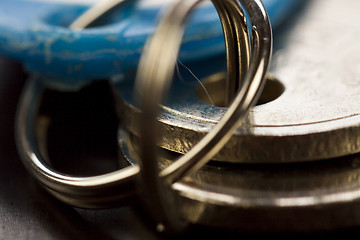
(154, 74)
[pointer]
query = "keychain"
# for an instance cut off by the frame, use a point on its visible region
(222, 194)
(110, 189)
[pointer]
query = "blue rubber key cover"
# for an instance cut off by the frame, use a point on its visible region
(36, 33)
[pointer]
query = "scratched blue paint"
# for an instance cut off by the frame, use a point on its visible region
(36, 34)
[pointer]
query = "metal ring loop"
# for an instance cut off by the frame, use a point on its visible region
(153, 79)
(87, 192)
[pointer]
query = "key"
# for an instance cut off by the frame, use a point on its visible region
(312, 110)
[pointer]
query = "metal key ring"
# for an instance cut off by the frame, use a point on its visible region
(86, 192)
(153, 79)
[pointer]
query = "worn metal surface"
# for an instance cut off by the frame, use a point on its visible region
(317, 115)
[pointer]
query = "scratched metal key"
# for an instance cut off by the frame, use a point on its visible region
(310, 107)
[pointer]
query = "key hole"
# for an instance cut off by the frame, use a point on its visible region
(215, 87)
